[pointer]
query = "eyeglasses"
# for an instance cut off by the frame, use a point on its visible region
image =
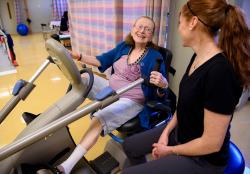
(146, 28)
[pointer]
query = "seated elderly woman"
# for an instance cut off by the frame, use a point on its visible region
(131, 59)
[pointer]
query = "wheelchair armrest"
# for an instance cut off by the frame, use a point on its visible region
(160, 106)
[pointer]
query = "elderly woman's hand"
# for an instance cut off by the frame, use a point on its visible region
(158, 79)
(75, 54)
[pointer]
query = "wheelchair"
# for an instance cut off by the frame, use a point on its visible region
(161, 112)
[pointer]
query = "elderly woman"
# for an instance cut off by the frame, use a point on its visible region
(131, 59)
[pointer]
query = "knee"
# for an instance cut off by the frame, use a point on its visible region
(127, 146)
(96, 124)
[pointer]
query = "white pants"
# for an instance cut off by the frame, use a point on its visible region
(115, 114)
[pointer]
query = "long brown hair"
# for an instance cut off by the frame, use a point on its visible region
(130, 41)
(234, 35)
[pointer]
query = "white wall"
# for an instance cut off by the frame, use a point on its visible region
(1, 22)
(40, 12)
(246, 8)
(9, 24)
(181, 55)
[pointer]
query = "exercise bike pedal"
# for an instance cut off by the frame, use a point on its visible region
(104, 164)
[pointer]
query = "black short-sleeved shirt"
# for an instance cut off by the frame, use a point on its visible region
(214, 86)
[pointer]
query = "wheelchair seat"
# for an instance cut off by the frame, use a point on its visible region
(162, 112)
(130, 127)
(236, 163)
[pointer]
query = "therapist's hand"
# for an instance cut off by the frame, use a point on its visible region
(161, 150)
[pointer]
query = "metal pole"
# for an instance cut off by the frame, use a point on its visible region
(39, 71)
(35, 136)
(131, 85)
(15, 99)
(8, 107)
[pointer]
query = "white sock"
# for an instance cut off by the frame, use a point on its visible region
(76, 155)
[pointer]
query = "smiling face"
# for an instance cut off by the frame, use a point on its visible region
(142, 31)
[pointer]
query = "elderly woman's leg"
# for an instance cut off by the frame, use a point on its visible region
(88, 140)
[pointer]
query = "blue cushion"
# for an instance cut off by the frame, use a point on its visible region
(236, 163)
(18, 86)
(104, 93)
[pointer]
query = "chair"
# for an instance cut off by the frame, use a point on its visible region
(236, 163)
(114, 158)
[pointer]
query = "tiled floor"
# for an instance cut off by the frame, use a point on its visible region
(52, 84)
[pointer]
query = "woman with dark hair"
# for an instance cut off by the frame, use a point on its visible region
(131, 59)
(197, 139)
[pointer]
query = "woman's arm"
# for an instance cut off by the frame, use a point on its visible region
(215, 128)
(163, 140)
(90, 60)
(104, 60)
(170, 126)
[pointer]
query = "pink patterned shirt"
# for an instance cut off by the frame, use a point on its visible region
(125, 74)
